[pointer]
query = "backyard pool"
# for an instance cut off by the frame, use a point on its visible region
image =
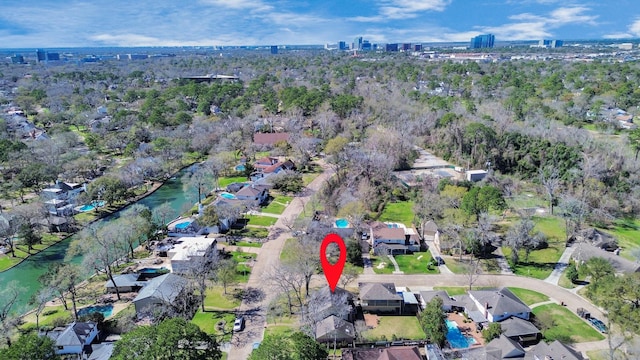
(342, 223)
(105, 310)
(227, 195)
(93, 205)
(455, 338)
(183, 225)
(240, 167)
(162, 270)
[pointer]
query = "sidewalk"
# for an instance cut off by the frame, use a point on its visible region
(562, 264)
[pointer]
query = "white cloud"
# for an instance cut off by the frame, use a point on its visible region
(569, 15)
(254, 5)
(399, 9)
(633, 31)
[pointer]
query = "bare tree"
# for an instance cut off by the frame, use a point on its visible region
(198, 179)
(200, 271)
(40, 299)
(8, 299)
(472, 270)
(550, 180)
(225, 273)
(522, 236)
(349, 274)
(287, 281)
(306, 260)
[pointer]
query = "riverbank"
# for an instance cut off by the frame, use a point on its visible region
(155, 185)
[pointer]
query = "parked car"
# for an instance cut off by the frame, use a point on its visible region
(439, 260)
(238, 325)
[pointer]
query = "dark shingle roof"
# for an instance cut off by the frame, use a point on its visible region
(335, 326)
(515, 326)
(554, 350)
(166, 287)
(378, 291)
(503, 347)
(500, 301)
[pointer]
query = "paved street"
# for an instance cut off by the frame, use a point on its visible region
(268, 258)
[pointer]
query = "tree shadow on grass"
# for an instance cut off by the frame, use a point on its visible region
(250, 295)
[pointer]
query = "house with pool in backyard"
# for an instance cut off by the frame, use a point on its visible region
(467, 316)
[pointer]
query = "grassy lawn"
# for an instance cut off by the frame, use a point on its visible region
(21, 251)
(401, 212)
(566, 325)
(241, 256)
(627, 231)
(209, 323)
(261, 220)
(277, 205)
(552, 227)
(224, 181)
(453, 290)
(526, 200)
(529, 297)
(216, 299)
(403, 327)
(382, 265)
(242, 273)
(252, 232)
(416, 263)
(47, 317)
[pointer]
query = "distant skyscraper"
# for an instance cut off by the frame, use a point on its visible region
(482, 41)
(51, 56)
(357, 43)
(406, 47)
(40, 55)
(17, 59)
(417, 47)
(342, 45)
(550, 43)
(366, 45)
(274, 49)
(391, 47)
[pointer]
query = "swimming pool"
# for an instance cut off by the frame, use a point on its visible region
(105, 310)
(342, 223)
(455, 338)
(183, 225)
(227, 195)
(240, 167)
(93, 205)
(161, 270)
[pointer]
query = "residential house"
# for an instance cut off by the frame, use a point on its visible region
(334, 329)
(522, 331)
(433, 352)
(380, 298)
(448, 304)
(168, 289)
(429, 231)
(102, 351)
(334, 303)
(190, 251)
(554, 350)
(75, 338)
(125, 283)
(504, 348)
(270, 139)
(391, 353)
(268, 166)
(394, 238)
(59, 199)
(254, 193)
(498, 305)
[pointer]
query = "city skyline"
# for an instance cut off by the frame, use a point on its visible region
(75, 23)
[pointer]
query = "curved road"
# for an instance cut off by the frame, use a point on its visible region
(254, 309)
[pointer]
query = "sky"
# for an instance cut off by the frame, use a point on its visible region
(76, 23)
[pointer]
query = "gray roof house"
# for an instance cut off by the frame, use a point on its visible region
(520, 330)
(554, 350)
(448, 304)
(333, 305)
(380, 298)
(125, 283)
(333, 329)
(504, 348)
(75, 338)
(498, 305)
(163, 290)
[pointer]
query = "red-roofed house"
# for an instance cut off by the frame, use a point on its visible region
(269, 139)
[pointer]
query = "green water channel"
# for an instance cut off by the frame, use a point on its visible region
(27, 272)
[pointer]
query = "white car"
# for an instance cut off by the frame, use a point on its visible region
(238, 325)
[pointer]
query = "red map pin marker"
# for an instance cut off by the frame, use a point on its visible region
(333, 271)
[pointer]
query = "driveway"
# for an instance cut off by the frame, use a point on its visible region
(267, 259)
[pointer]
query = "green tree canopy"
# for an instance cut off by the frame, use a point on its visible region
(171, 339)
(433, 321)
(297, 346)
(28, 347)
(482, 199)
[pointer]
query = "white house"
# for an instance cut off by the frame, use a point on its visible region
(190, 250)
(74, 338)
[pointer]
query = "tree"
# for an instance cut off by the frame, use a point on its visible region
(29, 236)
(550, 180)
(492, 332)
(523, 236)
(170, 339)
(40, 299)
(349, 273)
(8, 299)
(287, 181)
(225, 273)
(288, 281)
(433, 321)
(572, 273)
(200, 270)
(135, 225)
(599, 268)
(482, 199)
(297, 346)
(30, 346)
(306, 260)
(107, 188)
(634, 140)
(199, 179)
(354, 253)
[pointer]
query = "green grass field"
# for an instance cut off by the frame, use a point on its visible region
(403, 327)
(529, 297)
(258, 220)
(218, 323)
(277, 205)
(252, 232)
(627, 232)
(416, 263)
(216, 299)
(386, 268)
(566, 325)
(401, 212)
(21, 251)
(224, 181)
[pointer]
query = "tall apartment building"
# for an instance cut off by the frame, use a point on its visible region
(482, 41)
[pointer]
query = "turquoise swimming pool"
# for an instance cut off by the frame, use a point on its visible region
(183, 225)
(93, 205)
(227, 195)
(455, 337)
(342, 223)
(105, 310)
